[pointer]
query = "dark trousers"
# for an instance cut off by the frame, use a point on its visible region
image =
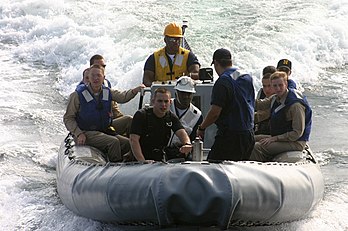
(232, 146)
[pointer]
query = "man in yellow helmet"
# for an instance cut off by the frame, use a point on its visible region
(171, 61)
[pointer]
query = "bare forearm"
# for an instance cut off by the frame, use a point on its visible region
(194, 71)
(136, 148)
(212, 116)
(148, 78)
(184, 138)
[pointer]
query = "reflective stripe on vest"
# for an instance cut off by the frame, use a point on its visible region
(94, 114)
(188, 121)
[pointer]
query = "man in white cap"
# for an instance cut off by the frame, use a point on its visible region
(189, 115)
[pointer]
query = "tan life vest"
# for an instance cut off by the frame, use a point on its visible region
(162, 68)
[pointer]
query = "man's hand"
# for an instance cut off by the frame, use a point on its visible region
(267, 141)
(81, 139)
(200, 134)
(186, 149)
(138, 89)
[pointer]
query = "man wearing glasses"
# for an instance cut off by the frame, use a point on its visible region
(171, 61)
(88, 115)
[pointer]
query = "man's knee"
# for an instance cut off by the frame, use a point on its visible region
(256, 153)
(115, 154)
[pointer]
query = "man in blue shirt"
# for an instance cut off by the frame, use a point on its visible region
(232, 110)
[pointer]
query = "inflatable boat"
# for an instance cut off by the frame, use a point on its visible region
(188, 193)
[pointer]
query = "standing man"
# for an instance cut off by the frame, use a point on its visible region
(171, 61)
(291, 120)
(88, 115)
(232, 110)
(151, 129)
(121, 123)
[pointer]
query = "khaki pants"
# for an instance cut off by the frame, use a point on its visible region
(122, 125)
(113, 146)
(268, 152)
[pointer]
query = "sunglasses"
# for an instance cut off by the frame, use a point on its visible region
(173, 40)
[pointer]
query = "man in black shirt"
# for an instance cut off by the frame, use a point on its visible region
(151, 129)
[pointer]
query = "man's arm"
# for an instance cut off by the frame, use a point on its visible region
(185, 140)
(194, 71)
(183, 137)
(69, 117)
(125, 96)
(261, 115)
(148, 78)
(149, 71)
(264, 104)
(211, 117)
(136, 148)
(193, 134)
(193, 66)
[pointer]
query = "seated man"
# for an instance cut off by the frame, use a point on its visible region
(88, 115)
(85, 77)
(151, 129)
(261, 118)
(285, 66)
(171, 61)
(291, 121)
(266, 89)
(189, 115)
(121, 123)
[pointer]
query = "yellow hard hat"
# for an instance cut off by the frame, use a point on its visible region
(173, 30)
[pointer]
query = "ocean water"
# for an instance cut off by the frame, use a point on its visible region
(45, 45)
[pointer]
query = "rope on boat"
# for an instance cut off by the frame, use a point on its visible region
(69, 144)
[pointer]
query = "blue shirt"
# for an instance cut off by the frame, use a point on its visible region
(236, 97)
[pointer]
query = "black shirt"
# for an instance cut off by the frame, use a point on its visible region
(154, 132)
